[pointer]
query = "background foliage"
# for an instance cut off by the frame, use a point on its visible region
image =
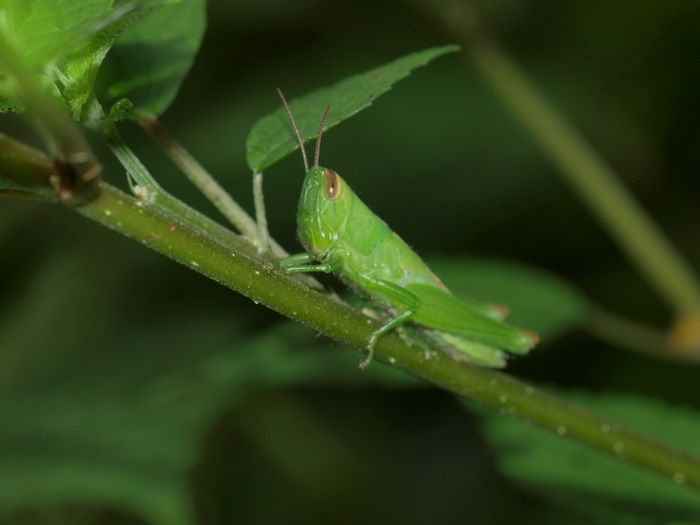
(149, 393)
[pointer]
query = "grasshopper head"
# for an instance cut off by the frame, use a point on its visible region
(325, 198)
(323, 210)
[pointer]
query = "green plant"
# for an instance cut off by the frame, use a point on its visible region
(139, 411)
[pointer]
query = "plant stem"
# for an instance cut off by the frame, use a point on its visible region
(204, 181)
(155, 195)
(636, 232)
(200, 253)
(266, 248)
(178, 240)
(632, 227)
(635, 336)
(156, 230)
(261, 215)
(29, 170)
(78, 171)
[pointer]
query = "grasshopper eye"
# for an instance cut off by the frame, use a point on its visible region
(334, 185)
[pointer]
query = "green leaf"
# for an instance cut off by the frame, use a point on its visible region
(121, 109)
(42, 32)
(66, 41)
(81, 66)
(537, 300)
(97, 414)
(125, 430)
(9, 103)
(53, 25)
(567, 471)
(272, 137)
(150, 61)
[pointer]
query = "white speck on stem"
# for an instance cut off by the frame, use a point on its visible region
(503, 399)
(605, 428)
(194, 263)
(618, 448)
(529, 390)
(108, 213)
(561, 431)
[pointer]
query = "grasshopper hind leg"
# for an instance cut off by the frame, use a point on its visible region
(387, 327)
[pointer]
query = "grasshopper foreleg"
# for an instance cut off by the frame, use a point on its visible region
(303, 263)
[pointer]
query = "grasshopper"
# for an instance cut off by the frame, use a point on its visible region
(340, 234)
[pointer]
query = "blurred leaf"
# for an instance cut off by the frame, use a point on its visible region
(52, 25)
(272, 137)
(42, 32)
(81, 65)
(150, 61)
(536, 300)
(66, 41)
(565, 470)
(123, 424)
(9, 103)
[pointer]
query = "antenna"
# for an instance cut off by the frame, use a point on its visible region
(296, 130)
(317, 153)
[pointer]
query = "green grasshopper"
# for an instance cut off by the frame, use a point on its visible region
(340, 234)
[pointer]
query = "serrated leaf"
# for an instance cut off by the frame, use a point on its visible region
(272, 137)
(566, 470)
(536, 300)
(149, 62)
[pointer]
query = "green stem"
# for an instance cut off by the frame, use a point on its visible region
(204, 255)
(266, 248)
(204, 181)
(77, 172)
(638, 235)
(29, 170)
(148, 226)
(261, 215)
(179, 241)
(635, 336)
(633, 228)
(150, 191)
